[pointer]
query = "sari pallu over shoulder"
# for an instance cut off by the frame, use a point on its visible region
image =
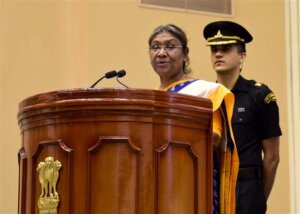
(229, 161)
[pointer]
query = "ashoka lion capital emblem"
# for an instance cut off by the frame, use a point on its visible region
(48, 176)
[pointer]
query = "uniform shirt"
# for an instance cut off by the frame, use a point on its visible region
(255, 117)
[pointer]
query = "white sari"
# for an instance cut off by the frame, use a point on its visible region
(229, 161)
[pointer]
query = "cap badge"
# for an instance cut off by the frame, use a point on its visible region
(219, 34)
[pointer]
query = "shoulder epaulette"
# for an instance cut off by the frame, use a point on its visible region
(258, 85)
(270, 97)
(255, 84)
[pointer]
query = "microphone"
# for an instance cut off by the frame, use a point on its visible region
(121, 74)
(107, 75)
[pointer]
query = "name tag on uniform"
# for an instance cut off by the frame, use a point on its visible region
(241, 109)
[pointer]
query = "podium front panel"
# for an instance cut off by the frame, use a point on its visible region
(115, 151)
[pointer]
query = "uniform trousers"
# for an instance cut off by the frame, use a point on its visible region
(250, 197)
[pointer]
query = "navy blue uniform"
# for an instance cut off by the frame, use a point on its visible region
(255, 117)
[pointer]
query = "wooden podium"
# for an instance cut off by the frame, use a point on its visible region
(115, 151)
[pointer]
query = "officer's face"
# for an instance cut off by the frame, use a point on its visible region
(226, 59)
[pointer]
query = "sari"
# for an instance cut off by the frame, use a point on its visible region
(228, 164)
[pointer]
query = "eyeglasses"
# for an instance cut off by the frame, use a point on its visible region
(168, 48)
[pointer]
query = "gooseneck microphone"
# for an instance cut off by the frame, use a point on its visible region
(107, 75)
(121, 74)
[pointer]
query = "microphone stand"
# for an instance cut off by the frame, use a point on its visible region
(121, 83)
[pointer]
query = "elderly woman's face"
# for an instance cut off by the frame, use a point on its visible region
(166, 55)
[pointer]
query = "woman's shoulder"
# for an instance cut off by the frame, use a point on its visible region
(208, 85)
(200, 87)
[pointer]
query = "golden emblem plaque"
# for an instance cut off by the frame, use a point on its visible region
(48, 176)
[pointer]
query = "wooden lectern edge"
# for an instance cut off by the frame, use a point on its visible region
(154, 101)
(70, 91)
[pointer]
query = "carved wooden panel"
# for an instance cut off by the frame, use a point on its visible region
(177, 179)
(109, 193)
(61, 152)
(121, 151)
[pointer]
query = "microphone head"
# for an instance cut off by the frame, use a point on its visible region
(121, 73)
(110, 74)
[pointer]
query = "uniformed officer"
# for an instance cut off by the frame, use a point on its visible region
(255, 118)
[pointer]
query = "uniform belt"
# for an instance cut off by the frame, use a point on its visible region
(250, 173)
